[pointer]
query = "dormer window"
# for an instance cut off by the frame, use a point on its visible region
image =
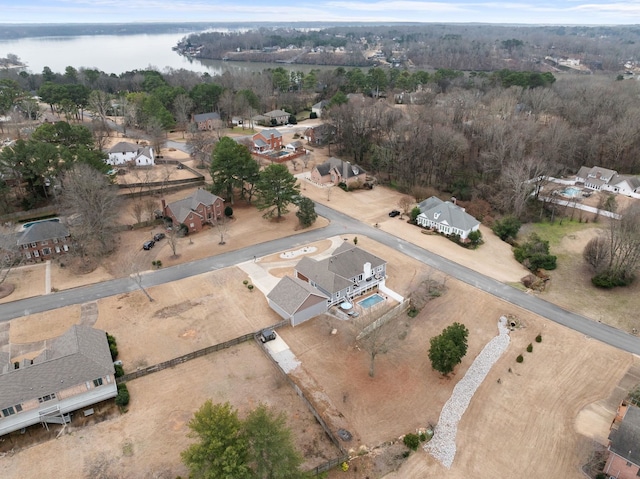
(436, 215)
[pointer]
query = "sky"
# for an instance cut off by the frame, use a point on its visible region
(565, 12)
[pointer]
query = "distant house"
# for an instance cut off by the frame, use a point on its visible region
(336, 171)
(597, 178)
(73, 371)
(319, 107)
(44, 240)
(350, 271)
(294, 146)
(281, 117)
(129, 153)
(208, 121)
(195, 211)
(624, 445)
(297, 300)
(319, 135)
(267, 140)
(446, 217)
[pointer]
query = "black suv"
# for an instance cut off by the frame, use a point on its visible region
(148, 244)
(394, 213)
(158, 236)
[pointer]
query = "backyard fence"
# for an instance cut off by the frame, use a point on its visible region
(392, 313)
(184, 358)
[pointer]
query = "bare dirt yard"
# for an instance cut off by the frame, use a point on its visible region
(146, 441)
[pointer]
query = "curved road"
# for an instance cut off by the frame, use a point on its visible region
(339, 224)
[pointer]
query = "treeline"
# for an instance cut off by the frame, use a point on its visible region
(460, 47)
(476, 135)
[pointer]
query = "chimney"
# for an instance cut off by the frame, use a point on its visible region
(453, 200)
(164, 205)
(345, 169)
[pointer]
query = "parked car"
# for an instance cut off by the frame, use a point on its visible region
(180, 166)
(158, 236)
(148, 244)
(394, 213)
(267, 335)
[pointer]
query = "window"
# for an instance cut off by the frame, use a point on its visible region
(46, 251)
(47, 397)
(36, 254)
(18, 407)
(33, 245)
(65, 247)
(44, 242)
(25, 246)
(28, 255)
(8, 411)
(57, 249)
(97, 382)
(55, 240)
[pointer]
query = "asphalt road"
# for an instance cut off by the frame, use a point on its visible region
(339, 224)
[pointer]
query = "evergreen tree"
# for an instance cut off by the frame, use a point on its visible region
(448, 349)
(306, 212)
(276, 189)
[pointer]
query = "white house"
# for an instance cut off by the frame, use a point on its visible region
(124, 153)
(446, 217)
(73, 371)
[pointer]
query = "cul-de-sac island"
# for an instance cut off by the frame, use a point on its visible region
(346, 273)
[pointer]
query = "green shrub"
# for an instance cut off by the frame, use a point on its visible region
(245, 282)
(250, 286)
(609, 280)
(601, 475)
(530, 348)
(423, 437)
(313, 115)
(228, 211)
(507, 228)
(538, 338)
(119, 370)
(113, 347)
(412, 441)
(122, 399)
(519, 359)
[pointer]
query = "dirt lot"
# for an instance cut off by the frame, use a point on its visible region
(146, 441)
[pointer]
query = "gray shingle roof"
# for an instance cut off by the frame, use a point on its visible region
(44, 230)
(276, 113)
(446, 212)
(291, 293)
(79, 355)
(334, 274)
(183, 207)
(206, 116)
(124, 147)
(267, 132)
(625, 442)
(341, 166)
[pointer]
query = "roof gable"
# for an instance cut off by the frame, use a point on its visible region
(124, 147)
(447, 213)
(81, 354)
(625, 442)
(43, 230)
(206, 116)
(292, 294)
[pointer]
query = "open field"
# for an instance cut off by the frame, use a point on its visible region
(146, 441)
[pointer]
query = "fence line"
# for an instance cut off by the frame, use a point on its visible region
(392, 313)
(184, 358)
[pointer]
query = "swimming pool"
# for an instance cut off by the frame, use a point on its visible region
(31, 223)
(371, 300)
(571, 192)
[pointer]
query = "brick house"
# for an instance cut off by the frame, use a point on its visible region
(208, 121)
(319, 135)
(624, 444)
(74, 371)
(195, 211)
(281, 117)
(336, 171)
(44, 240)
(267, 140)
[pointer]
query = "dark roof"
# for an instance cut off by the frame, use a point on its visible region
(341, 166)
(79, 355)
(334, 274)
(206, 116)
(625, 442)
(292, 293)
(124, 147)
(43, 230)
(183, 207)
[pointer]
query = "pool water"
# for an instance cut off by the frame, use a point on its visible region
(26, 225)
(571, 192)
(371, 300)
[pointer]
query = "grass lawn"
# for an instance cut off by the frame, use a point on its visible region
(556, 231)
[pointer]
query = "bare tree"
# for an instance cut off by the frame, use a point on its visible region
(172, 238)
(376, 338)
(157, 134)
(201, 144)
(405, 203)
(93, 202)
(10, 255)
(222, 225)
(133, 264)
(182, 107)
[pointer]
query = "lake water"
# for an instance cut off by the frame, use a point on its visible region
(121, 53)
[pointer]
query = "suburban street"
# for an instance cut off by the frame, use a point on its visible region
(339, 224)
